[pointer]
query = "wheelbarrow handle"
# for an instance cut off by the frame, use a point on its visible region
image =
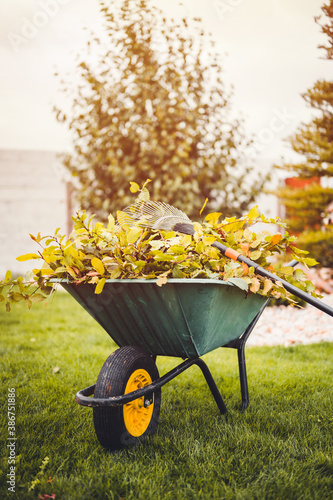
(234, 255)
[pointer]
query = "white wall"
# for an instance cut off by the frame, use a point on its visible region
(33, 198)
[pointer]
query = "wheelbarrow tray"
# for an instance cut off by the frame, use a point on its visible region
(183, 318)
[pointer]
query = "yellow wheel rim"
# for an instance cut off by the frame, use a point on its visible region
(137, 415)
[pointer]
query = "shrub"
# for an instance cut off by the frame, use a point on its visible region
(94, 253)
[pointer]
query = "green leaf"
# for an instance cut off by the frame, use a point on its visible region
(178, 273)
(17, 296)
(255, 243)
(8, 276)
(299, 273)
(255, 255)
(287, 270)
(176, 249)
(163, 257)
(37, 297)
(239, 282)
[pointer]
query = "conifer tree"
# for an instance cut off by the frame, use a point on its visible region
(306, 207)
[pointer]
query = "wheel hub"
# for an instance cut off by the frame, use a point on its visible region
(138, 413)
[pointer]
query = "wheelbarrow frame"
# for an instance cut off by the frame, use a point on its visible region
(83, 397)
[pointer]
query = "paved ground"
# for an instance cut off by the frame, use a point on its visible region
(290, 326)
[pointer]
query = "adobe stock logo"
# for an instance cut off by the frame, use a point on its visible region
(224, 7)
(31, 27)
(277, 124)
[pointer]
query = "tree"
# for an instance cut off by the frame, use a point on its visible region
(305, 207)
(153, 105)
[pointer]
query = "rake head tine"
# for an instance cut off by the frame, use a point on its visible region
(156, 215)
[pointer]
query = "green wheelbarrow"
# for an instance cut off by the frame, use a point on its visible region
(185, 318)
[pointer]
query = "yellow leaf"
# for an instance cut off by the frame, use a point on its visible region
(200, 247)
(162, 280)
(93, 280)
(27, 256)
(134, 234)
(46, 272)
(197, 227)
(268, 284)
(71, 271)
(253, 213)
(134, 187)
(208, 240)
(212, 253)
(100, 286)
(115, 273)
(8, 276)
(255, 285)
(213, 218)
(111, 222)
(185, 240)
(276, 238)
(203, 206)
(98, 265)
(144, 195)
(247, 235)
(231, 227)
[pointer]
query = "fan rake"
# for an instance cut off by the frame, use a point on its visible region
(156, 215)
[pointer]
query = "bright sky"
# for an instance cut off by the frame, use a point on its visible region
(272, 58)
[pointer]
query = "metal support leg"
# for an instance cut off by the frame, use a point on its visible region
(243, 377)
(212, 385)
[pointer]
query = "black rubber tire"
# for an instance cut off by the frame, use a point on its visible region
(109, 421)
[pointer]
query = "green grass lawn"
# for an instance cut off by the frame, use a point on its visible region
(280, 448)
